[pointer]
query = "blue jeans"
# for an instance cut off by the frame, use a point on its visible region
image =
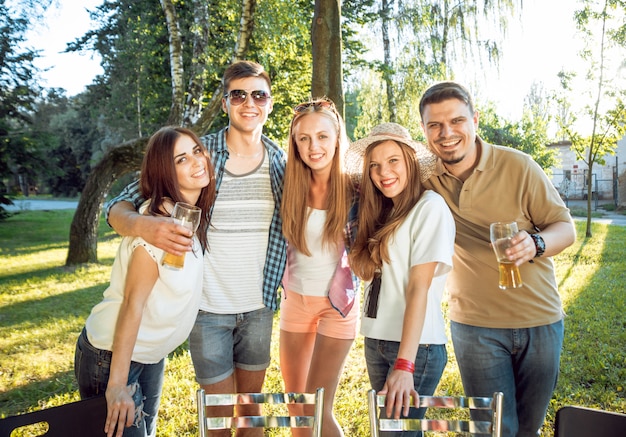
(92, 367)
(220, 342)
(430, 361)
(521, 363)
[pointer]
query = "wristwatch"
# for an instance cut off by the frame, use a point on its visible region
(540, 245)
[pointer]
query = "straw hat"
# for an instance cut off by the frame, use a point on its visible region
(394, 132)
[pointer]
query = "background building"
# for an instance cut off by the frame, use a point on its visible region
(608, 181)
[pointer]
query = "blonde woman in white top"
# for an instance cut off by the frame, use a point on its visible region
(317, 321)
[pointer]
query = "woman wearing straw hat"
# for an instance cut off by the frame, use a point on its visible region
(403, 249)
(317, 322)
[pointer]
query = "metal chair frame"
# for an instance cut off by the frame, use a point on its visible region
(264, 421)
(491, 427)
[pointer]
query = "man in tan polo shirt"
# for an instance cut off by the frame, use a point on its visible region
(504, 340)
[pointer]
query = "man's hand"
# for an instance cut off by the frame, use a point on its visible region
(161, 232)
(522, 248)
(557, 237)
(165, 234)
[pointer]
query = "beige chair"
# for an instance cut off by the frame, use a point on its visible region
(269, 420)
(460, 403)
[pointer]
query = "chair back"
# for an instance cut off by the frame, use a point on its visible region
(572, 421)
(492, 427)
(76, 419)
(267, 420)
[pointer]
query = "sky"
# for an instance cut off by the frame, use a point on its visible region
(537, 47)
(71, 71)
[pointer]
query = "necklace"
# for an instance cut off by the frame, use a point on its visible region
(246, 156)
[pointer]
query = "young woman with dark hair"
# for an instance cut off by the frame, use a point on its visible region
(147, 310)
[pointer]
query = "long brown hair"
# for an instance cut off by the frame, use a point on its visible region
(379, 217)
(293, 208)
(158, 176)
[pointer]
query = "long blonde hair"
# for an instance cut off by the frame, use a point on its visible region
(379, 218)
(293, 208)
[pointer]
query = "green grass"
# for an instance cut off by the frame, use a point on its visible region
(43, 306)
(610, 207)
(576, 211)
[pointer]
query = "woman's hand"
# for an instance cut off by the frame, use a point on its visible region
(120, 409)
(399, 388)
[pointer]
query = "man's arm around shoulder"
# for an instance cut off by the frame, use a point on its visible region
(161, 232)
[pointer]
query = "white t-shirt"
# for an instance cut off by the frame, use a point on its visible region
(170, 310)
(238, 239)
(311, 275)
(426, 235)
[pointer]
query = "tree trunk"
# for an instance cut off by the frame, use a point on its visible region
(84, 228)
(176, 63)
(195, 87)
(246, 25)
(326, 50)
(444, 35)
(388, 69)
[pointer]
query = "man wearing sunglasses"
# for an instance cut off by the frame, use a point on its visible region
(230, 341)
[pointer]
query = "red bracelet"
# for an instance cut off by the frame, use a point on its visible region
(406, 365)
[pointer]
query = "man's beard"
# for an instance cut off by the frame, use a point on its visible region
(453, 161)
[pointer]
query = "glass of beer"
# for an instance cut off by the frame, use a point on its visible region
(501, 234)
(188, 216)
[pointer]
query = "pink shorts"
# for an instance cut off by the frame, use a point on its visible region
(301, 314)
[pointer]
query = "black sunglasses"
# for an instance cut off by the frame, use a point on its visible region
(237, 97)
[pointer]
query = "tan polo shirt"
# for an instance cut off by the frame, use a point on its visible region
(507, 185)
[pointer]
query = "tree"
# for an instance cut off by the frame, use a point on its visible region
(134, 93)
(602, 24)
(425, 40)
(387, 71)
(67, 127)
(152, 43)
(19, 153)
(127, 156)
(528, 135)
(326, 44)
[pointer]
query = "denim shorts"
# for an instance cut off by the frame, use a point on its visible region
(220, 342)
(92, 367)
(430, 362)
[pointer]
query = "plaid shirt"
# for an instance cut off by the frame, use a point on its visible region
(276, 255)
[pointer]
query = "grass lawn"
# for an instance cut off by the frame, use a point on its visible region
(43, 306)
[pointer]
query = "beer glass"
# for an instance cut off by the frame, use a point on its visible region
(501, 234)
(188, 216)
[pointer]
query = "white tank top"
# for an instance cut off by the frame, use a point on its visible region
(312, 275)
